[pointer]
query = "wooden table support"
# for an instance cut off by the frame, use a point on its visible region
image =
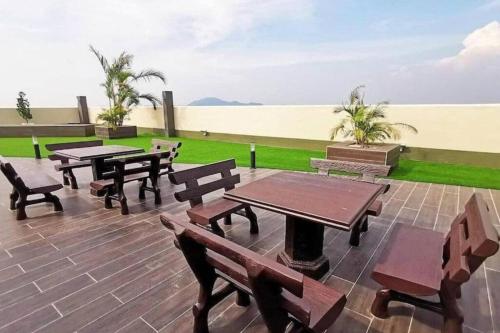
(304, 247)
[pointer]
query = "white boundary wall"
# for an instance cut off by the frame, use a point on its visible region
(455, 127)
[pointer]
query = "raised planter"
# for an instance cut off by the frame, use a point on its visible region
(105, 132)
(377, 153)
(27, 130)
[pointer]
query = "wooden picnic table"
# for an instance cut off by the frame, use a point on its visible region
(309, 202)
(97, 155)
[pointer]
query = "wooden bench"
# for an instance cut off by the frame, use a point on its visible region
(283, 296)
(420, 262)
(208, 213)
(29, 183)
(66, 166)
(367, 173)
(158, 145)
(114, 180)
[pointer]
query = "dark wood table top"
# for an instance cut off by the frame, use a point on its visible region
(89, 153)
(335, 202)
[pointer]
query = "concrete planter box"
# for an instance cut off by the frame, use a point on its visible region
(105, 132)
(27, 130)
(378, 153)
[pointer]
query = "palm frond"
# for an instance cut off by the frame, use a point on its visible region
(407, 127)
(102, 60)
(155, 101)
(148, 74)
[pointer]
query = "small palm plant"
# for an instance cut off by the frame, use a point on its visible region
(365, 123)
(118, 85)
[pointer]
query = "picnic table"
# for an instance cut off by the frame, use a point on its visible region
(309, 202)
(97, 156)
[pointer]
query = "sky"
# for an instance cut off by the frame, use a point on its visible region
(266, 51)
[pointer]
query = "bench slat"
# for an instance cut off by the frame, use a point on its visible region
(203, 189)
(183, 176)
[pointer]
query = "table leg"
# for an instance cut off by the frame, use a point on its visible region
(97, 170)
(304, 247)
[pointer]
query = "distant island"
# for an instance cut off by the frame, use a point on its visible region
(214, 101)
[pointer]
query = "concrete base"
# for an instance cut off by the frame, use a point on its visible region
(120, 132)
(47, 130)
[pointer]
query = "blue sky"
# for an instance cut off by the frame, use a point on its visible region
(268, 51)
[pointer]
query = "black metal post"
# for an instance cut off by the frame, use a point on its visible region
(36, 146)
(252, 156)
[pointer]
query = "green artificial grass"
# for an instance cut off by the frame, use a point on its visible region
(206, 151)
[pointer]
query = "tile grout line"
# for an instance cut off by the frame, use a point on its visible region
(489, 298)
(494, 205)
(70, 293)
(439, 209)
(421, 205)
(69, 259)
(145, 322)
(8, 253)
(117, 298)
(92, 247)
(20, 267)
(57, 310)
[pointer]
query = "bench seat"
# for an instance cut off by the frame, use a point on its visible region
(105, 183)
(324, 302)
(40, 183)
(208, 212)
(412, 261)
(72, 165)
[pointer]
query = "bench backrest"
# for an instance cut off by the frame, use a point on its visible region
(209, 255)
(10, 173)
(158, 145)
(472, 239)
(367, 171)
(195, 191)
(70, 145)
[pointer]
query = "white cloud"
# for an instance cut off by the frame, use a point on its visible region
(489, 5)
(214, 48)
(48, 43)
(480, 46)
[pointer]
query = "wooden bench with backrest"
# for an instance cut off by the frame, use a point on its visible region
(118, 175)
(420, 263)
(158, 145)
(209, 213)
(367, 173)
(283, 295)
(66, 166)
(29, 183)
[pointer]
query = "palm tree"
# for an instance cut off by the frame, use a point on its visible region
(118, 85)
(365, 123)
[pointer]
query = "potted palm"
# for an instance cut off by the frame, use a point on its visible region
(367, 126)
(122, 95)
